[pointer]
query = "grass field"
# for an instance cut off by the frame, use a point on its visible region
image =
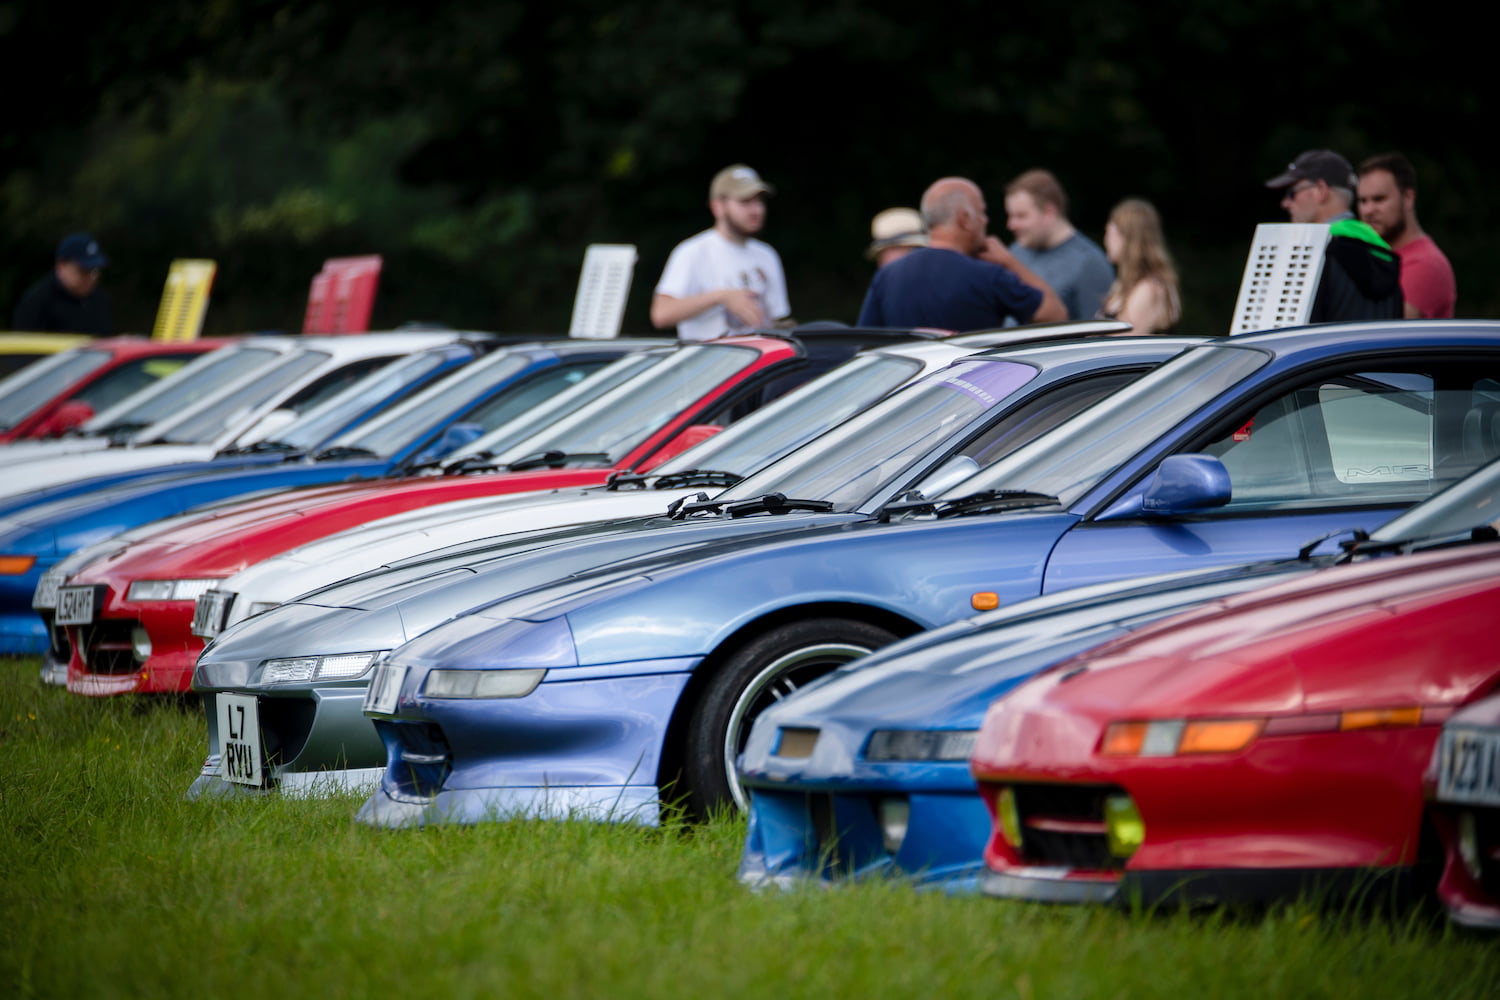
(113, 885)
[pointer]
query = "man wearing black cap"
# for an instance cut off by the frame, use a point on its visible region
(1361, 273)
(69, 300)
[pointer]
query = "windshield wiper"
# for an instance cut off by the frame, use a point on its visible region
(343, 451)
(1368, 547)
(680, 508)
(774, 503)
(696, 477)
(555, 460)
(117, 433)
(983, 502)
(260, 446)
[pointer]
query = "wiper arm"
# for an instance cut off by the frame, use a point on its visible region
(343, 451)
(555, 460)
(680, 508)
(480, 461)
(1360, 536)
(982, 502)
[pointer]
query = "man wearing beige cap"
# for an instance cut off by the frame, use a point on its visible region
(723, 280)
(895, 233)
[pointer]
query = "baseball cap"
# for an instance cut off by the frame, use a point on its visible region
(895, 227)
(1316, 165)
(738, 182)
(83, 250)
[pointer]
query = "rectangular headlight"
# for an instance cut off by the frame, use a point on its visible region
(921, 744)
(300, 669)
(482, 683)
(168, 590)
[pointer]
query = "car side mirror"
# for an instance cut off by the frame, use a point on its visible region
(1186, 483)
(454, 437)
(1181, 484)
(691, 435)
(69, 415)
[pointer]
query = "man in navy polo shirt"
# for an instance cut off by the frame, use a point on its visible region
(964, 279)
(69, 300)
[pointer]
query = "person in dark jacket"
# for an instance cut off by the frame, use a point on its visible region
(69, 300)
(1361, 273)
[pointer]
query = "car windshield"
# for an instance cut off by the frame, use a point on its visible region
(618, 421)
(174, 394)
(1067, 461)
(859, 458)
(538, 418)
(1472, 502)
(205, 424)
(322, 422)
(797, 417)
(31, 388)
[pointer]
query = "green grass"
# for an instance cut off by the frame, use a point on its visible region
(112, 884)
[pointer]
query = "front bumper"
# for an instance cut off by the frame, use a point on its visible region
(103, 661)
(834, 832)
(316, 741)
(575, 749)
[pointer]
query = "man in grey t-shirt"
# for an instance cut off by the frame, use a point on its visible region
(1036, 213)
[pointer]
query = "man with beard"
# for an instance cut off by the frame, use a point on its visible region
(1361, 273)
(723, 280)
(1388, 202)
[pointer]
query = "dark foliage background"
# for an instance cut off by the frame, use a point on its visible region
(480, 146)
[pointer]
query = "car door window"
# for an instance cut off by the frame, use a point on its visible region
(1368, 437)
(538, 389)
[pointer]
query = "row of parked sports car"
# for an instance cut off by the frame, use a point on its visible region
(1157, 618)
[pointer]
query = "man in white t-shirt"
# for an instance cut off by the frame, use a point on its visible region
(723, 280)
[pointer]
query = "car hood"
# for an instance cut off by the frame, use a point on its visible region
(232, 537)
(1389, 633)
(394, 605)
(53, 471)
(946, 679)
(473, 522)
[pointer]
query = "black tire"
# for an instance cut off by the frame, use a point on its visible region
(760, 672)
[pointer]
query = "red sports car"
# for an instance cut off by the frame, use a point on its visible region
(52, 396)
(1264, 746)
(1464, 784)
(139, 638)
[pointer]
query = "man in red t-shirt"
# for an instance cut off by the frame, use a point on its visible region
(1388, 203)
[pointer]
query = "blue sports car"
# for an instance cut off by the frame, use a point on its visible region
(479, 397)
(591, 690)
(866, 773)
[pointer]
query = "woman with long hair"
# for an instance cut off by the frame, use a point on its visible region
(1145, 290)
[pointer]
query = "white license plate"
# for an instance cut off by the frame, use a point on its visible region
(75, 606)
(239, 739)
(45, 597)
(1469, 766)
(385, 689)
(210, 611)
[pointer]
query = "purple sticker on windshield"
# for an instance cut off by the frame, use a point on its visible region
(988, 382)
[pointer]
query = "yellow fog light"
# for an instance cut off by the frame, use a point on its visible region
(1008, 816)
(1124, 828)
(985, 601)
